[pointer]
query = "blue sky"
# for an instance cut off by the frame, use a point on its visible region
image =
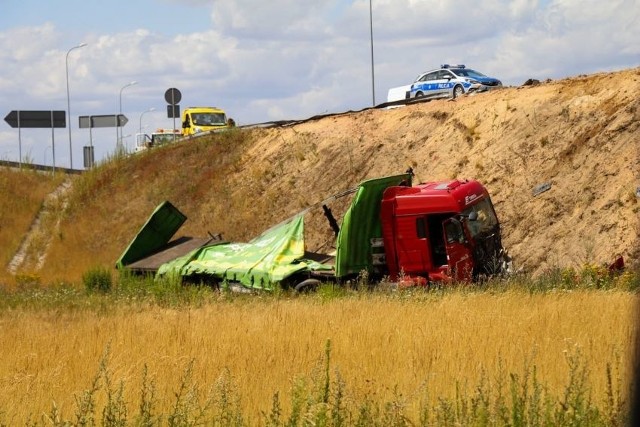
(81, 17)
(281, 59)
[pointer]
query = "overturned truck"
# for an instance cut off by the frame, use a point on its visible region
(443, 231)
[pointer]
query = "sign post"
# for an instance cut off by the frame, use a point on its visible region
(37, 119)
(173, 97)
(102, 121)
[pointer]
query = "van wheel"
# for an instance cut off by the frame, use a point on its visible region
(307, 286)
(458, 91)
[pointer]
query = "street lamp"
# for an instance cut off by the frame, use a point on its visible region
(69, 102)
(143, 113)
(120, 107)
(140, 136)
(373, 80)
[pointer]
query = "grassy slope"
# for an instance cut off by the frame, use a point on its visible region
(21, 196)
(578, 134)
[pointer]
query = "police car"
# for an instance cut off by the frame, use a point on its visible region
(450, 81)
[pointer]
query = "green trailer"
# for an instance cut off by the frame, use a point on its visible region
(277, 257)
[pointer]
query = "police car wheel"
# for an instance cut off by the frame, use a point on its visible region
(457, 91)
(419, 94)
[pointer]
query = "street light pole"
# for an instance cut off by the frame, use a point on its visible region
(69, 102)
(143, 113)
(140, 127)
(373, 80)
(120, 110)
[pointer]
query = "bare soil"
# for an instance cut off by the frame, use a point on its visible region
(579, 135)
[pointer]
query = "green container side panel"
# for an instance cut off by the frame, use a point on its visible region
(163, 223)
(268, 259)
(361, 223)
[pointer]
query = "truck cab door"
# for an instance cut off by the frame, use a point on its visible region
(459, 256)
(186, 125)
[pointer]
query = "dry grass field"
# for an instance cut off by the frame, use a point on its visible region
(528, 353)
(402, 348)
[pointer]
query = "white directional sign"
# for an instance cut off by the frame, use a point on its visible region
(104, 121)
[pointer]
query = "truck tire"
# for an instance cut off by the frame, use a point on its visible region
(307, 285)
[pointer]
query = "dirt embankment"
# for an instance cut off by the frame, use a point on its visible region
(578, 135)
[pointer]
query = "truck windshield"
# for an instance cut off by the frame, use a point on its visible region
(486, 217)
(209, 119)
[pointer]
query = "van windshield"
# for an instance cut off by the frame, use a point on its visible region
(208, 119)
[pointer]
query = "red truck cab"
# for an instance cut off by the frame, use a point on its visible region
(440, 231)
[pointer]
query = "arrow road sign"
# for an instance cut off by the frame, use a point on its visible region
(104, 121)
(37, 119)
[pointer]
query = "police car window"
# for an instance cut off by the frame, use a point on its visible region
(474, 73)
(432, 76)
(444, 74)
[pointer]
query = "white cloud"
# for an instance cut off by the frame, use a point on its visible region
(289, 59)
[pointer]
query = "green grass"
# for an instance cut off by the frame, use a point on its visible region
(101, 288)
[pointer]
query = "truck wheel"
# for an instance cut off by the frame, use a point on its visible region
(308, 285)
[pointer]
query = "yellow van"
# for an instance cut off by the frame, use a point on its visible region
(203, 119)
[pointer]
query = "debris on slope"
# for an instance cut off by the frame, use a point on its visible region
(33, 250)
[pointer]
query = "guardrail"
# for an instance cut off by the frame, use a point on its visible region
(271, 124)
(42, 168)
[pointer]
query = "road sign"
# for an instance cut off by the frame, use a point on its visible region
(104, 121)
(173, 111)
(172, 96)
(37, 119)
(88, 157)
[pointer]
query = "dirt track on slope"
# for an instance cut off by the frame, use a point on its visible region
(33, 250)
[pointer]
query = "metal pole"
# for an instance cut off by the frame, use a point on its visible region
(69, 103)
(373, 79)
(118, 142)
(173, 113)
(91, 142)
(143, 113)
(19, 142)
(53, 145)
